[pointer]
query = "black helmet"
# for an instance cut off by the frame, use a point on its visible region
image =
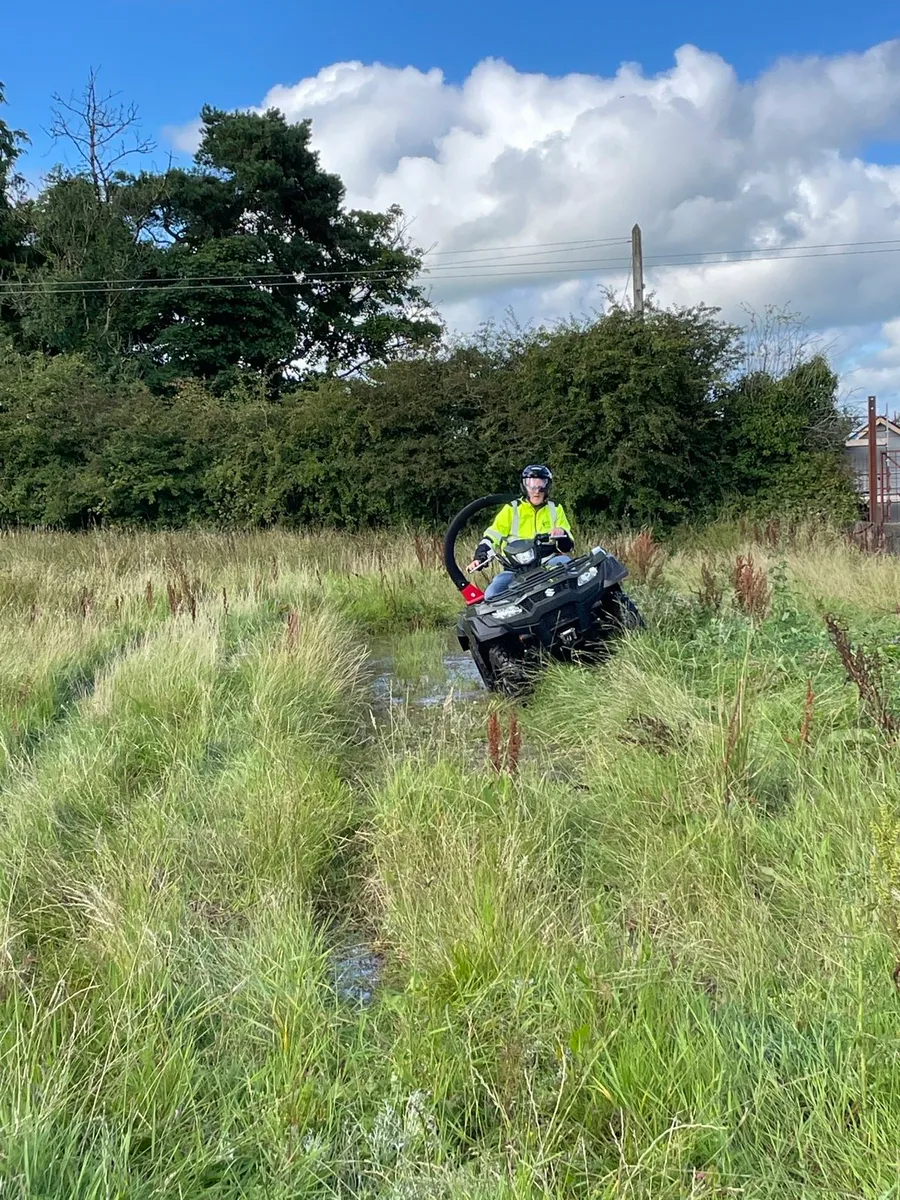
(538, 471)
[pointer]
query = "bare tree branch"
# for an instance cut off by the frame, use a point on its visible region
(103, 132)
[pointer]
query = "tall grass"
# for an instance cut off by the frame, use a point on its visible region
(637, 937)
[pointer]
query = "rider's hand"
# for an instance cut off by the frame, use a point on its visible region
(556, 533)
(476, 564)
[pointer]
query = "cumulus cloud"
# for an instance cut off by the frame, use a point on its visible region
(871, 366)
(501, 175)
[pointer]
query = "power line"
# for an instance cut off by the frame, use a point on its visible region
(286, 278)
(721, 262)
(462, 272)
(486, 270)
(534, 248)
(779, 249)
(272, 277)
(578, 267)
(530, 246)
(625, 288)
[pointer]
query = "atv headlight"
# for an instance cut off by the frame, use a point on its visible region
(587, 576)
(524, 557)
(508, 610)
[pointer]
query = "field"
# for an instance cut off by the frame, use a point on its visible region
(291, 908)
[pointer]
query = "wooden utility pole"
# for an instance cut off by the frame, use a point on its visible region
(874, 506)
(637, 271)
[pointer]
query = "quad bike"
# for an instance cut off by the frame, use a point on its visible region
(570, 612)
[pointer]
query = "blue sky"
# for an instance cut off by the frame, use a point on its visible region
(187, 52)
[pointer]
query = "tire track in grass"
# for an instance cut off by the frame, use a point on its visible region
(174, 897)
(250, 720)
(38, 711)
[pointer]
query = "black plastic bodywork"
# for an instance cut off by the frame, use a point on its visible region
(556, 609)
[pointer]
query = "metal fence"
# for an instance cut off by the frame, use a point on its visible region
(874, 453)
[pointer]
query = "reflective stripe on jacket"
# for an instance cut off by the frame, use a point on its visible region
(522, 520)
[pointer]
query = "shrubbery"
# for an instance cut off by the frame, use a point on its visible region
(644, 423)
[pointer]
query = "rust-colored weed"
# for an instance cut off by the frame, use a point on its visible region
(806, 720)
(293, 629)
(866, 670)
(514, 746)
(752, 594)
(809, 705)
(500, 761)
(183, 593)
(493, 729)
(709, 594)
(148, 593)
(644, 559)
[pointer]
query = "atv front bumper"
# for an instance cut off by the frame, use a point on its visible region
(555, 607)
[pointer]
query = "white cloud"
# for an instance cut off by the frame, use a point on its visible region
(706, 163)
(872, 367)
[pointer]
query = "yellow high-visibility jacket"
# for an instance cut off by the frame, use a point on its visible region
(522, 520)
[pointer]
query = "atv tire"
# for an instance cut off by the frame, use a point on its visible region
(627, 615)
(509, 670)
(482, 666)
(617, 616)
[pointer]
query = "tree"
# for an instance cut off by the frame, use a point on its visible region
(783, 428)
(87, 232)
(284, 278)
(13, 251)
(80, 294)
(78, 447)
(784, 440)
(248, 261)
(399, 447)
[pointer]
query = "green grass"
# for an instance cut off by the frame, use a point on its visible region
(655, 960)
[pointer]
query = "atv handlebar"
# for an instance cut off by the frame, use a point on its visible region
(540, 540)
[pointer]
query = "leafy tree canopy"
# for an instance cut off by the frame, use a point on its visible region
(247, 261)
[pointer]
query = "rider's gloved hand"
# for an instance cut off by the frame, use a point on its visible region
(480, 557)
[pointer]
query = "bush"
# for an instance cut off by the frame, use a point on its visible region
(643, 422)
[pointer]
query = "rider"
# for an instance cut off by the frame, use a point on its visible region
(535, 513)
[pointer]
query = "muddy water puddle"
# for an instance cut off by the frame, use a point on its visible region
(356, 972)
(422, 669)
